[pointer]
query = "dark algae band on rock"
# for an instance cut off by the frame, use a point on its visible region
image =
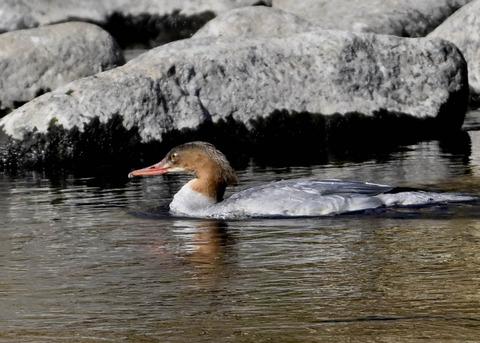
(96, 146)
(282, 138)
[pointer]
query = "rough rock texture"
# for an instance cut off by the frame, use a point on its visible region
(20, 14)
(408, 18)
(38, 60)
(463, 29)
(255, 21)
(187, 83)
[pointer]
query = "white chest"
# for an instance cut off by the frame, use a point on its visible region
(190, 202)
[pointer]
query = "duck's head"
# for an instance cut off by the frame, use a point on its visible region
(199, 158)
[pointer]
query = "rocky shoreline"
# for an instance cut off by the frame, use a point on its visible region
(253, 78)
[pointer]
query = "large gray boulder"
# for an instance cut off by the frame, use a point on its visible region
(408, 18)
(463, 29)
(38, 60)
(255, 21)
(186, 83)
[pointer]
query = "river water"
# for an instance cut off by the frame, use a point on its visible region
(86, 261)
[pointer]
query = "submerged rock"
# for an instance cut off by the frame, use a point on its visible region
(409, 18)
(187, 84)
(463, 29)
(35, 61)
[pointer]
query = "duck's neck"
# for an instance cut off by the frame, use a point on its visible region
(197, 196)
(209, 179)
(209, 187)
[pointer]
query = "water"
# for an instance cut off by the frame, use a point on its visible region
(85, 261)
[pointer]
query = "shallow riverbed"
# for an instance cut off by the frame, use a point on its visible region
(84, 261)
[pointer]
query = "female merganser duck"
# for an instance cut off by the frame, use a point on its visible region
(203, 196)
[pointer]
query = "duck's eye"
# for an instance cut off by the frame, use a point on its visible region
(174, 157)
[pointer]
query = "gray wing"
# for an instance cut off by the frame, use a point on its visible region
(304, 197)
(326, 187)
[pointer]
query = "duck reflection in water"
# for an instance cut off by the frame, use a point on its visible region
(208, 242)
(207, 248)
(202, 247)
